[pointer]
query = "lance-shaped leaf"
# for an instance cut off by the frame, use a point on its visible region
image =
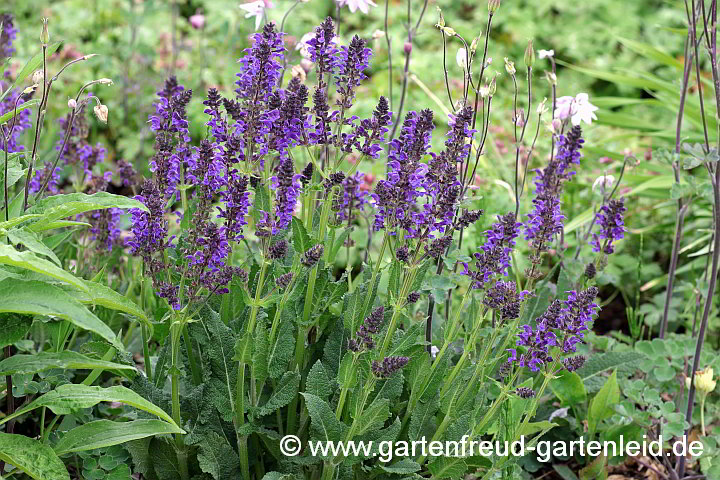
(30, 261)
(98, 294)
(58, 207)
(38, 298)
(105, 433)
(71, 397)
(32, 457)
(33, 243)
(47, 360)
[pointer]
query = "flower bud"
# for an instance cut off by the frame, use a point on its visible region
(449, 31)
(101, 112)
(38, 77)
(197, 21)
(72, 104)
(30, 89)
(45, 35)
(509, 66)
(441, 19)
(493, 86)
(407, 48)
(542, 107)
(551, 78)
(530, 55)
(493, 6)
(474, 44)
(378, 34)
(88, 57)
(704, 382)
(105, 81)
(461, 58)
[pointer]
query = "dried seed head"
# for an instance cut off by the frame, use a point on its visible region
(493, 6)
(38, 77)
(101, 112)
(30, 89)
(105, 81)
(509, 66)
(590, 270)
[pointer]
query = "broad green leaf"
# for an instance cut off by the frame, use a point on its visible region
(15, 171)
(105, 433)
(71, 397)
(47, 360)
(33, 243)
(38, 298)
(569, 388)
(447, 467)
(601, 406)
(301, 239)
(280, 353)
(37, 460)
(98, 294)
(14, 222)
(45, 226)
(324, 426)
(14, 328)
(404, 466)
(217, 458)
(318, 381)
(283, 394)
(58, 207)
(30, 261)
(374, 416)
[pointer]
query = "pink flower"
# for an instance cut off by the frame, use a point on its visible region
(354, 5)
(197, 21)
(578, 109)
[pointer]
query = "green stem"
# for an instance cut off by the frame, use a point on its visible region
(175, 332)
(240, 421)
(258, 293)
(702, 414)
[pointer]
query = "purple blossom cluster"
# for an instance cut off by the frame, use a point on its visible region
(504, 298)
(493, 259)
(562, 325)
(7, 36)
(611, 220)
(14, 97)
(352, 199)
(546, 218)
(388, 366)
(370, 326)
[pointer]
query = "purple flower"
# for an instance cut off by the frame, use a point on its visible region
(352, 61)
(388, 366)
(21, 120)
(236, 199)
(126, 172)
(396, 197)
(312, 255)
(368, 136)
(172, 135)
(7, 35)
(537, 343)
(261, 66)
(611, 220)
(494, 257)
(370, 326)
(321, 48)
(41, 175)
(352, 200)
(505, 299)
(546, 219)
(287, 186)
(105, 230)
(149, 229)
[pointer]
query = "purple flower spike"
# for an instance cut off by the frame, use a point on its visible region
(611, 220)
(388, 366)
(494, 257)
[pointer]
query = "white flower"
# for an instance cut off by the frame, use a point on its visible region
(461, 58)
(604, 183)
(378, 34)
(302, 45)
(434, 351)
(546, 53)
(578, 109)
(256, 9)
(354, 5)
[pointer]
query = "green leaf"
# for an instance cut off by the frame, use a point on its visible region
(45, 226)
(280, 353)
(324, 426)
(283, 394)
(598, 364)
(14, 328)
(569, 388)
(104, 433)
(447, 467)
(318, 381)
(565, 472)
(30, 261)
(33, 243)
(58, 207)
(601, 406)
(99, 294)
(69, 360)
(260, 352)
(14, 222)
(33, 64)
(404, 466)
(32, 457)
(301, 240)
(218, 458)
(374, 416)
(71, 397)
(595, 470)
(9, 115)
(38, 298)
(535, 427)
(15, 171)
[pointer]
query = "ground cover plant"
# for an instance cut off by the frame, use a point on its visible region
(329, 246)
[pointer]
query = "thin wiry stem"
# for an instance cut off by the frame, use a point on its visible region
(388, 40)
